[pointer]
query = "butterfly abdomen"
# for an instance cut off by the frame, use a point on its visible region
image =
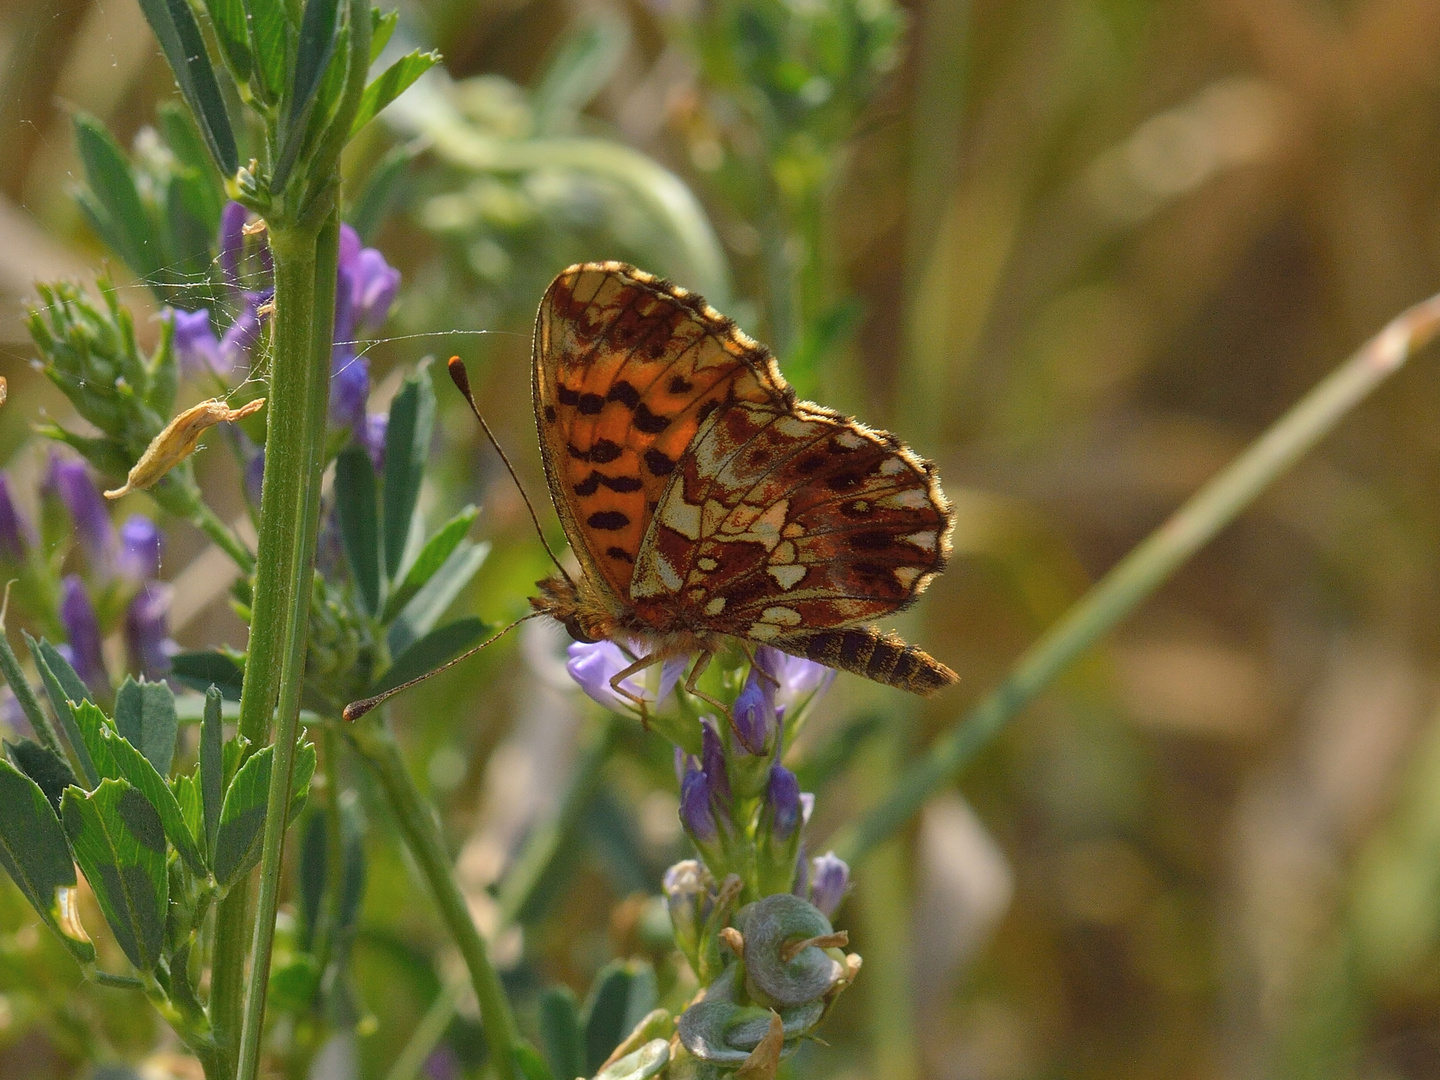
(874, 654)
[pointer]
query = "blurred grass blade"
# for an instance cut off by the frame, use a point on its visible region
(432, 557)
(25, 695)
(120, 845)
(228, 19)
(242, 819)
(212, 766)
(145, 716)
(423, 612)
(204, 195)
(112, 201)
(560, 1032)
(62, 685)
(532, 1065)
(184, 47)
(407, 446)
(580, 66)
(35, 853)
(356, 505)
(623, 992)
(390, 84)
(116, 759)
(432, 650)
(370, 207)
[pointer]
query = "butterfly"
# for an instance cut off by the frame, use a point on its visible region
(706, 503)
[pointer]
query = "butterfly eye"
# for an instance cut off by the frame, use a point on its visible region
(572, 624)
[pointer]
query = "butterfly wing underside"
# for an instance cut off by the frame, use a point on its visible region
(627, 368)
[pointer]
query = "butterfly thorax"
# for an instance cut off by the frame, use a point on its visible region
(589, 616)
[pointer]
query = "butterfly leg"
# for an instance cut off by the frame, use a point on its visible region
(634, 669)
(749, 651)
(701, 663)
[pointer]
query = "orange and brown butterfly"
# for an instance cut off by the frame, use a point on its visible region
(704, 502)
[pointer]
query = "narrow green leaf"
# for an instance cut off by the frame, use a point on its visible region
(123, 222)
(242, 820)
(202, 669)
(204, 194)
(228, 18)
(62, 686)
(432, 556)
(184, 47)
(578, 69)
(357, 506)
(560, 1032)
(35, 853)
(369, 208)
(623, 992)
(25, 695)
(390, 84)
(315, 49)
(431, 602)
(116, 759)
(187, 796)
(212, 766)
(407, 446)
(432, 650)
(272, 42)
(532, 1065)
(43, 765)
(145, 716)
(120, 845)
(382, 26)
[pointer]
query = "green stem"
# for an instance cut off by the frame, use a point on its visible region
(377, 746)
(183, 499)
(1147, 567)
(305, 264)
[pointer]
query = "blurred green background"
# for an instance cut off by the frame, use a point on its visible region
(1077, 252)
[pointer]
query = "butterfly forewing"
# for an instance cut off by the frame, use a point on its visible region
(626, 370)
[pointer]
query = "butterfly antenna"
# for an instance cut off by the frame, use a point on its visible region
(461, 378)
(357, 709)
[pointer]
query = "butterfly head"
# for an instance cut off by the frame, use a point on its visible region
(577, 607)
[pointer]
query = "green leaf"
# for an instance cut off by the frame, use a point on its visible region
(560, 1032)
(272, 42)
(116, 759)
(184, 47)
(203, 669)
(62, 686)
(369, 208)
(423, 612)
(356, 504)
(623, 992)
(212, 766)
(118, 212)
(242, 819)
(314, 51)
(43, 765)
(187, 796)
(120, 845)
(205, 195)
(382, 25)
(432, 650)
(532, 1065)
(145, 716)
(35, 853)
(407, 447)
(228, 18)
(640, 1064)
(431, 558)
(25, 695)
(314, 872)
(390, 84)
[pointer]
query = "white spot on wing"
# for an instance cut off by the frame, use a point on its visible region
(788, 576)
(683, 517)
(909, 499)
(906, 575)
(923, 540)
(714, 607)
(780, 616)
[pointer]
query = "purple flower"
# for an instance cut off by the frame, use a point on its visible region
(196, 346)
(757, 723)
(829, 880)
(374, 439)
(147, 630)
(15, 534)
(376, 285)
(696, 813)
(71, 481)
(83, 629)
(798, 678)
(255, 476)
(349, 388)
(782, 802)
(232, 240)
(593, 666)
(13, 720)
(140, 544)
(442, 1064)
(242, 334)
(712, 760)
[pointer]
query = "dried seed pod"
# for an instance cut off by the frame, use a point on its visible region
(178, 441)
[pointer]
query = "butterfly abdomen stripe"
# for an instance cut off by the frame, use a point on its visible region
(875, 655)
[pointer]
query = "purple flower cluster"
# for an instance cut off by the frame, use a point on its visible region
(592, 666)
(365, 290)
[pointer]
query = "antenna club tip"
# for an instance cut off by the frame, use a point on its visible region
(356, 709)
(458, 374)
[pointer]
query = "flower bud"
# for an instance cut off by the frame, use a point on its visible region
(147, 630)
(829, 881)
(195, 344)
(688, 886)
(593, 665)
(798, 678)
(712, 760)
(757, 725)
(782, 802)
(373, 440)
(140, 546)
(349, 388)
(15, 534)
(696, 813)
(71, 481)
(232, 240)
(82, 628)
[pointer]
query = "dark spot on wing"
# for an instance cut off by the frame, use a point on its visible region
(681, 385)
(658, 463)
(566, 395)
(609, 520)
(871, 540)
(648, 422)
(604, 450)
(705, 411)
(843, 481)
(550, 413)
(808, 464)
(624, 393)
(619, 553)
(591, 404)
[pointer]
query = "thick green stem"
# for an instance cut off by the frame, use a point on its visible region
(421, 831)
(1147, 567)
(305, 264)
